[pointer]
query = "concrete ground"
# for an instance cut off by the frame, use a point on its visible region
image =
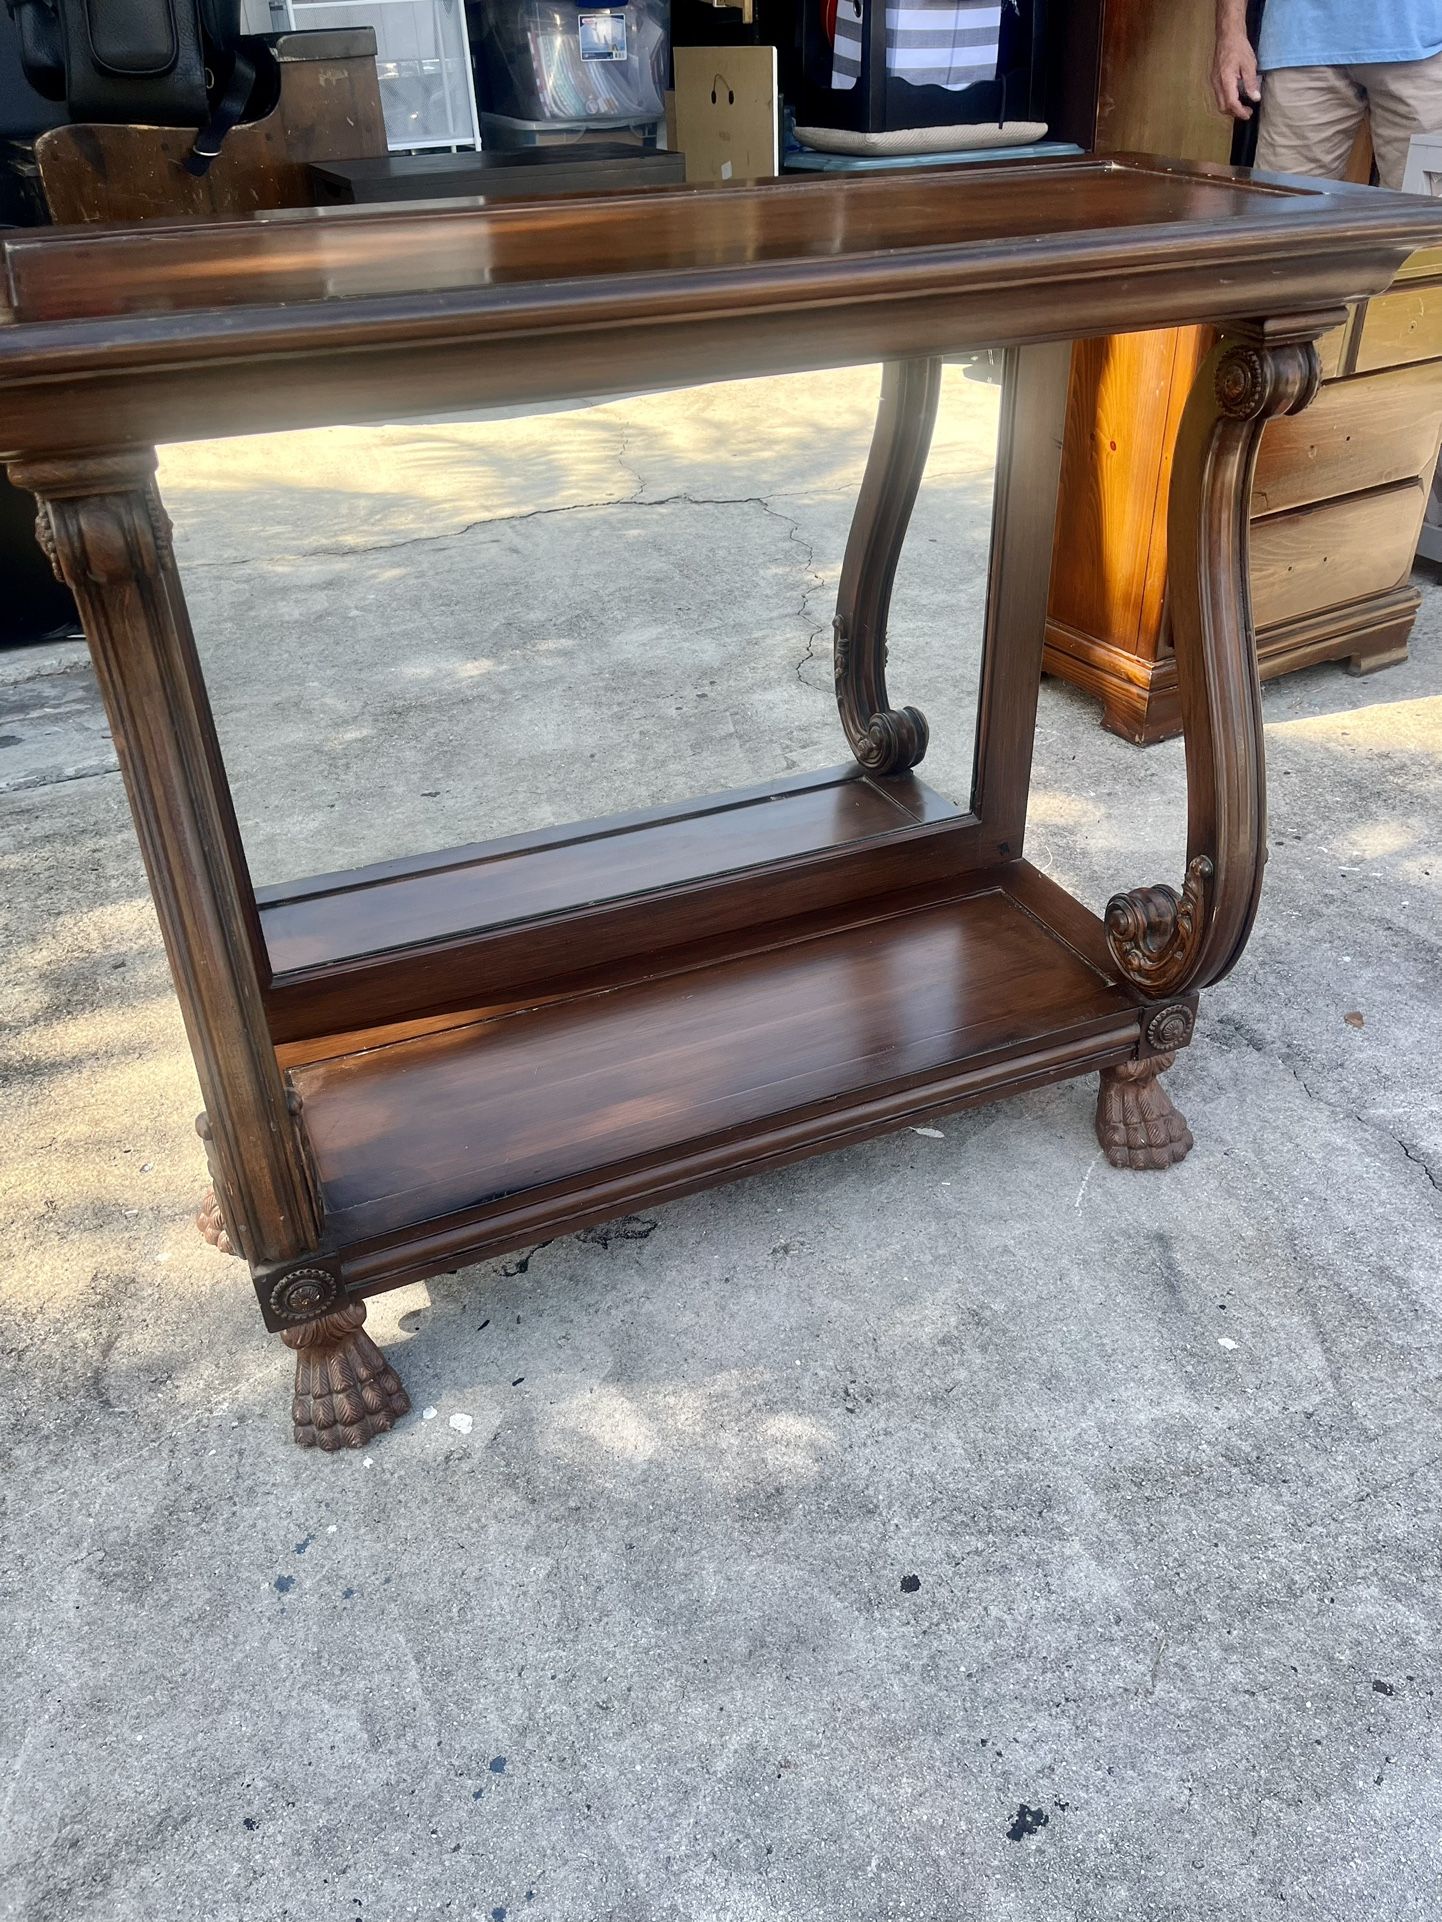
(952, 1528)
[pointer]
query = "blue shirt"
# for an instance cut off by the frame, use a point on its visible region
(1348, 33)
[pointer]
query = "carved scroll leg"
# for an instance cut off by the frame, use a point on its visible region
(884, 739)
(346, 1392)
(1163, 942)
(1137, 1125)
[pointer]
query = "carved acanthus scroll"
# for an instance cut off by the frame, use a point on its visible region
(1162, 941)
(884, 739)
(1153, 932)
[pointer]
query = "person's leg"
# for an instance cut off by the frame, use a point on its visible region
(1404, 97)
(1310, 117)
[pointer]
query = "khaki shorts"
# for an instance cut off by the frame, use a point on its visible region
(1310, 115)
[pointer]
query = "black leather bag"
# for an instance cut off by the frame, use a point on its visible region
(159, 63)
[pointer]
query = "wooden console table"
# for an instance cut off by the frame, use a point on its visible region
(436, 1059)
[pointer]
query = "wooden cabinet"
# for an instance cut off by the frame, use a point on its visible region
(1331, 553)
(1337, 504)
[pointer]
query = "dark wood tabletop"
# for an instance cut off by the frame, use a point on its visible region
(340, 313)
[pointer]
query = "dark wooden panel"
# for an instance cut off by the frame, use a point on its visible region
(1028, 473)
(359, 253)
(329, 108)
(315, 923)
(532, 956)
(296, 318)
(464, 1119)
(589, 976)
(445, 1245)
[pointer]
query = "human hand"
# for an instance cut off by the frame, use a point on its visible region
(1236, 84)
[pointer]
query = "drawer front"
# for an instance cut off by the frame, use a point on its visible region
(1339, 551)
(1425, 264)
(1401, 327)
(1357, 434)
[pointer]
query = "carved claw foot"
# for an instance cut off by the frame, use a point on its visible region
(1137, 1125)
(211, 1223)
(346, 1391)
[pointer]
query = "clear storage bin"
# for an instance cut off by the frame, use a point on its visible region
(501, 134)
(423, 63)
(554, 60)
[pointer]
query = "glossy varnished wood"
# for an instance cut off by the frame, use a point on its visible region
(102, 522)
(879, 735)
(435, 932)
(405, 903)
(287, 319)
(1165, 941)
(1124, 406)
(468, 1120)
(1152, 92)
(1326, 583)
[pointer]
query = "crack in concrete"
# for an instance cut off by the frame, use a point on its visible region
(33, 783)
(1420, 1160)
(1226, 1025)
(637, 498)
(623, 461)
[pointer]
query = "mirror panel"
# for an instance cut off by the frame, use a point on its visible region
(430, 634)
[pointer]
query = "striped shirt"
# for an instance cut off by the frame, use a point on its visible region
(929, 43)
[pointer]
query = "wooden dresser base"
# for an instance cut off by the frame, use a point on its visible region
(1338, 499)
(1140, 699)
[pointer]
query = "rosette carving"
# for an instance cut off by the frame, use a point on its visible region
(303, 1294)
(1169, 1028)
(1275, 379)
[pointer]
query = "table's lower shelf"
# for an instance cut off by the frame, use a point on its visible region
(406, 938)
(474, 1135)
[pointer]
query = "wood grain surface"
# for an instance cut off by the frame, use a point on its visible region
(189, 329)
(1336, 551)
(461, 1120)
